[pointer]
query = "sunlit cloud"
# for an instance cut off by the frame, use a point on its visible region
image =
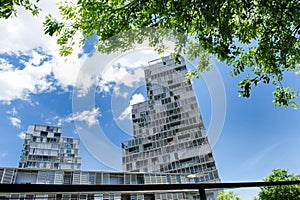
(125, 114)
(121, 76)
(12, 112)
(25, 31)
(20, 83)
(138, 58)
(16, 122)
(5, 65)
(136, 98)
(21, 135)
(88, 116)
(125, 71)
(51, 73)
(56, 71)
(118, 92)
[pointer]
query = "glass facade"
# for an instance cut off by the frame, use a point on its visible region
(76, 177)
(44, 148)
(170, 146)
(169, 135)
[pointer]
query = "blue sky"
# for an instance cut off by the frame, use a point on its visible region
(39, 87)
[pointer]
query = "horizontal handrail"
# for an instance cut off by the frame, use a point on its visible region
(31, 188)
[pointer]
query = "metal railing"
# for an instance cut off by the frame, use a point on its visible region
(201, 187)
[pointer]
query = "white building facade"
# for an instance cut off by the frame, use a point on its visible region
(45, 148)
(77, 177)
(170, 146)
(169, 134)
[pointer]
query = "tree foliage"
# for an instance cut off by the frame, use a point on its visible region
(258, 38)
(228, 196)
(289, 192)
(8, 8)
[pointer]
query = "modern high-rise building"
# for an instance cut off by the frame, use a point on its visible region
(45, 148)
(169, 135)
(170, 146)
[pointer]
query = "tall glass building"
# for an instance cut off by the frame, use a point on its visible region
(44, 148)
(169, 135)
(170, 146)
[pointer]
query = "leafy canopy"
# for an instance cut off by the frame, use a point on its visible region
(289, 192)
(259, 38)
(8, 8)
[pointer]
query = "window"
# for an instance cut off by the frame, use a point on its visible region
(143, 114)
(44, 133)
(56, 135)
(157, 97)
(176, 156)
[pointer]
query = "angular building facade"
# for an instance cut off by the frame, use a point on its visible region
(170, 146)
(78, 177)
(45, 148)
(169, 135)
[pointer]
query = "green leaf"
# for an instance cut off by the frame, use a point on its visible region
(259, 38)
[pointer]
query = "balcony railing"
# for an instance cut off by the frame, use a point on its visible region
(52, 188)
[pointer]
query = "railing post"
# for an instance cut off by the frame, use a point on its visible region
(202, 193)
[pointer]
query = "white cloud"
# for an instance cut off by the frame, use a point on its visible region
(132, 78)
(88, 116)
(12, 112)
(125, 114)
(25, 31)
(19, 84)
(5, 65)
(84, 83)
(127, 70)
(138, 57)
(21, 135)
(114, 76)
(16, 122)
(21, 35)
(67, 69)
(107, 71)
(3, 154)
(122, 76)
(136, 98)
(118, 92)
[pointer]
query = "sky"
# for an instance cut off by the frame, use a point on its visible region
(90, 94)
